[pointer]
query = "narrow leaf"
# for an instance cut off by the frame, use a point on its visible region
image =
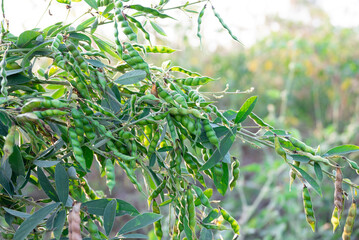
(318, 171)
(157, 28)
(309, 179)
(246, 109)
(16, 213)
(59, 223)
(46, 185)
(109, 216)
(31, 222)
(62, 183)
(341, 150)
(131, 77)
(92, 3)
(206, 234)
(16, 162)
(139, 222)
(97, 207)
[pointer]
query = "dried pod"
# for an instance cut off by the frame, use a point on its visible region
(338, 192)
(349, 223)
(74, 222)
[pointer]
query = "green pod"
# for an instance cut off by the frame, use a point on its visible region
(76, 148)
(50, 113)
(122, 156)
(110, 174)
(202, 197)
(179, 99)
(234, 224)
(153, 144)
(349, 223)
(126, 29)
(93, 230)
(210, 133)
(199, 22)
(158, 190)
(235, 173)
(301, 145)
(195, 81)
(162, 93)
(139, 26)
(191, 210)
(212, 215)
(139, 63)
(29, 106)
(308, 208)
(157, 225)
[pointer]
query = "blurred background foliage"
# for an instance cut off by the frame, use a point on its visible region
(306, 77)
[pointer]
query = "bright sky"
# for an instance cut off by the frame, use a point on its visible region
(245, 18)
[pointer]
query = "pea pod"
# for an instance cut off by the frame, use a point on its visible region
(64, 1)
(235, 173)
(157, 191)
(88, 190)
(157, 225)
(202, 197)
(191, 210)
(212, 215)
(153, 144)
(210, 133)
(121, 18)
(134, 59)
(185, 71)
(110, 174)
(122, 156)
(335, 220)
(195, 81)
(40, 103)
(9, 142)
(151, 11)
(162, 93)
(76, 148)
(301, 145)
(308, 208)
(216, 14)
(234, 224)
(50, 113)
(93, 230)
(199, 21)
(349, 223)
(100, 109)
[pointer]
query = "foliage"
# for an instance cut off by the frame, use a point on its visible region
(93, 100)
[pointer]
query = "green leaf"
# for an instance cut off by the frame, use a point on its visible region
(97, 207)
(17, 79)
(45, 164)
(220, 153)
(140, 221)
(26, 37)
(157, 28)
(318, 171)
(16, 162)
(105, 47)
(259, 121)
(31, 222)
(59, 92)
(85, 24)
(206, 234)
(221, 182)
(59, 223)
(109, 216)
(309, 179)
(88, 155)
(341, 150)
(152, 11)
(16, 213)
(62, 183)
(246, 109)
(46, 185)
(131, 77)
(80, 37)
(92, 3)
(95, 63)
(298, 158)
(6, 183)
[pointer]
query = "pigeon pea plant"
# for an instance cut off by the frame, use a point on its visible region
(101, 100)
